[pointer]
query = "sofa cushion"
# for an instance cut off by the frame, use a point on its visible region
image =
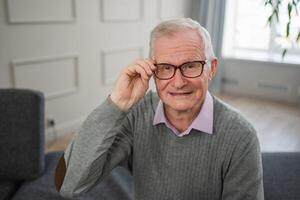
(7, 189)
(21, 134)
(281, 175)
(118, 185)
(42, 187)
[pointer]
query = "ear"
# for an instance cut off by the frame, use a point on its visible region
(213, 68)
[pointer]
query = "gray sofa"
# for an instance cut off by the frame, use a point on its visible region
(26, 172)
(281, 175)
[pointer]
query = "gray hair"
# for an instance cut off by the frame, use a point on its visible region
(169, 27)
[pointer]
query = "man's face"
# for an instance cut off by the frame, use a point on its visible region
(181, 94)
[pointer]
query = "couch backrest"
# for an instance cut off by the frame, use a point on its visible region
(21, 134)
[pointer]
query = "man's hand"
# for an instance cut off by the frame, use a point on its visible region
(132, 84)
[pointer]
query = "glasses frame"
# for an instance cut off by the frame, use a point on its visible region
(203, 62)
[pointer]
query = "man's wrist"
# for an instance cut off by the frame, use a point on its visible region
(118, 102)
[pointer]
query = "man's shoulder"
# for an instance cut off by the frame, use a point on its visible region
(231, 120)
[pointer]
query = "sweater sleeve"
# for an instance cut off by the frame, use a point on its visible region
(101, 143)
(243, 179)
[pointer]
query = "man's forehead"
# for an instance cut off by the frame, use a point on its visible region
(182, 46)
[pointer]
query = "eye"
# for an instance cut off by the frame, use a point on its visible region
(189, 66)
(165, 67)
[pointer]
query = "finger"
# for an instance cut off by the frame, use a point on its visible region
(135, 69)
(148, 74)
(146, 66)
(150, 63)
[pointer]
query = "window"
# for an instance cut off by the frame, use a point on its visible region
(248, 36)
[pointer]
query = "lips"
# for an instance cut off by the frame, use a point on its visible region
(180, 93)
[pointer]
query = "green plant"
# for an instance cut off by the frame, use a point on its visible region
(292, 10)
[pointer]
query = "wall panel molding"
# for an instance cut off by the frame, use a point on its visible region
(113, 10)
(39, 12)
(55, 76)
(114, 60)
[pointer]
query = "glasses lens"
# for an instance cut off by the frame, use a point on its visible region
(192, 69)
(164, 71)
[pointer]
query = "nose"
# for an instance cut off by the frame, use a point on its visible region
(178, 80)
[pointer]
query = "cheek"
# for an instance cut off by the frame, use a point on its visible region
(161, 85)
(200, 86)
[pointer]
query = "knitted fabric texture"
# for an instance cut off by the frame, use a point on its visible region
(223, 165)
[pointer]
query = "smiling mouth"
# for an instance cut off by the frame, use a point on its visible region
(180, 93)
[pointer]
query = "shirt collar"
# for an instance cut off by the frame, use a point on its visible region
(203, 122)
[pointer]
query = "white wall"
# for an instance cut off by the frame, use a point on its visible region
(72, 50)
(277, 81)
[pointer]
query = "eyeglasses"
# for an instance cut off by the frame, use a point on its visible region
(192, 69)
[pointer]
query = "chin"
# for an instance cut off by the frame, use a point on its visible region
(180, 106)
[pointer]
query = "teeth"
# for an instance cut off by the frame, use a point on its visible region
(180, 93)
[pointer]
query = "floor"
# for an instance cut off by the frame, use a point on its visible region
(277, 123)
(59, 144)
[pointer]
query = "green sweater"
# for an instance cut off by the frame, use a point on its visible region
(223, 165)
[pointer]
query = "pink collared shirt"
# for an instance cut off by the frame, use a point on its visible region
(203, 122)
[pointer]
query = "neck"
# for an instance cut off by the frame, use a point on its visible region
(181, 120)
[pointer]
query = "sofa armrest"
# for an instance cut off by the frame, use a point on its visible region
(21, 134)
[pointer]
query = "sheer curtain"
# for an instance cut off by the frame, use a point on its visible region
(210, 14)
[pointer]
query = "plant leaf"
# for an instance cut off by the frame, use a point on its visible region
(298, 37)
(266, 3)
(270, 20)
(295, 6)
(283, 53)
(278, 4)
(290, 10)
(271, 2)
(288, 29)
(276, 14)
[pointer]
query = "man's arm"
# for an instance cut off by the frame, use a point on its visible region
(244, 177)
(102, 143)
(105, 138)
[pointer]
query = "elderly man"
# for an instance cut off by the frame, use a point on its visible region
(182, 143)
